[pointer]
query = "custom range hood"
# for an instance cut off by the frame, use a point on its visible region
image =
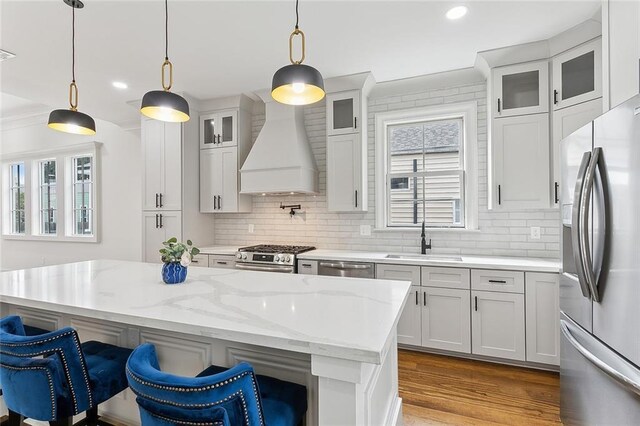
(281, 160)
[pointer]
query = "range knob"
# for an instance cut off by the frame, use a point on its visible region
(277, 258)
(288, 259)
(239, 256)
(244, 256)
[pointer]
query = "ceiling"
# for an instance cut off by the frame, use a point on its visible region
(222, 48)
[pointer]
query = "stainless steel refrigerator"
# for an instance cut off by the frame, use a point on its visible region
(600, 279)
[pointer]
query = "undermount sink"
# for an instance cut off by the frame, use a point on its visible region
(442, 257)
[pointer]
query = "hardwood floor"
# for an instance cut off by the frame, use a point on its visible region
(440, 390)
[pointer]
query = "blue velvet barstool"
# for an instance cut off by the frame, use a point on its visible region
(217, 396)
(52, 376)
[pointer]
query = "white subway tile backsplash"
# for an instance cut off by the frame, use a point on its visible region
(500, 233)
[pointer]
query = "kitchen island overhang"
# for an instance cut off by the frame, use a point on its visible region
(339, 334)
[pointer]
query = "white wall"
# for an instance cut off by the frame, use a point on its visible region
(500, 233)
(120, 197)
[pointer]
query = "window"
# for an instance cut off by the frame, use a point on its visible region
(425, 167)
(17, 198)
(51, 195)
(48, 199)
(82, 196)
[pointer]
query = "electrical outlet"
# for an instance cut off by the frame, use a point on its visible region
(251, 228)
(535, 232)
(365, 230)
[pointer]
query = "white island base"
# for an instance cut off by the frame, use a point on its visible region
(348, 384)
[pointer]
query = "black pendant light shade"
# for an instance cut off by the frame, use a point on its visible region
(165, 106)
(297, 84)
(162, 104)
(70, 121)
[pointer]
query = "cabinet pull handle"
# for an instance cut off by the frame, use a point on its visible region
(499, 195)
(498, 104)
(355, 122)
(555, 188)
(220, 262)
(160, 200)
(156, 200)
(156, 220)
(219, 202)
(424, 298)
(305, 265)
(476, 302)
(219, 141)
(194, 261)
(498, 281)
(214, 203)
(356, 198)
(417, 302)
(555, 97)
(160, 221)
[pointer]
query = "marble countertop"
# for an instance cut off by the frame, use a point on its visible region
(346, 318)
(505, 263)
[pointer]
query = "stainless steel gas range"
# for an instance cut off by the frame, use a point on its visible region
(270, 258)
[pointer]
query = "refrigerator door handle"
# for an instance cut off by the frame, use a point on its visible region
(577, 233)
(585, 198)
(609, 362)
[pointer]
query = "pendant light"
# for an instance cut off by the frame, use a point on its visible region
(71, 120)
(162, 104)
(297, 84)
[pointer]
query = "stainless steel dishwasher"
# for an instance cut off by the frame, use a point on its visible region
(346, 269)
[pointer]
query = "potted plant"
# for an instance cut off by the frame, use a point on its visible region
(176, 257)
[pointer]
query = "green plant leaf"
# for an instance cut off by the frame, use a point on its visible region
(172, 240)
(194, 251)
(189, 243)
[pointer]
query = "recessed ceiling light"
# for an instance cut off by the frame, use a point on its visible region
(457, 12)
(119, 85)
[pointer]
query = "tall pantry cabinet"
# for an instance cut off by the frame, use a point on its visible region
(170, 177)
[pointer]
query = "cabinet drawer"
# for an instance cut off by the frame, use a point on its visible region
(398, 272)
(308, 267)
(445, 277)
(221, 261)
(200, 260)
(504, 281)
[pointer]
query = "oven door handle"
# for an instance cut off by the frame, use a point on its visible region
(264, 268)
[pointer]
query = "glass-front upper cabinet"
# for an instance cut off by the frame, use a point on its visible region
(520, 89)
(219, 129)
(577, 75)
(343, 113)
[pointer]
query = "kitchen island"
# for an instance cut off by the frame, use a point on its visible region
(337, 336)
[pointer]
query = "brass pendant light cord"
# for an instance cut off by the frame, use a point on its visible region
(166, 30)
(297, 15)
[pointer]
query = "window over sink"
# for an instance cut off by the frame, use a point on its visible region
(426, 167)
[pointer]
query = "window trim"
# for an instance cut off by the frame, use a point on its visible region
(468, 111)
(31, 160)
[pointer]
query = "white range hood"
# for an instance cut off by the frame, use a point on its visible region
(281, 160)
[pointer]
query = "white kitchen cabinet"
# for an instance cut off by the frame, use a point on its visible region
(308, 267)
(502, 281)
(386, 271)
(433, 276)
(159, 226)
(201, 260)
(219, 181)
(566, 121)
(543, 318)
(446, 322)
(219, 129)
(409, 324)
(343, 112)
(222, 261)
(577, 75)
(520, 162)
(520, 89)
(498, 325)
(346, 173)
(162, 165)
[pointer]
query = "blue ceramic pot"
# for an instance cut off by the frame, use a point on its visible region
(173, 273)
